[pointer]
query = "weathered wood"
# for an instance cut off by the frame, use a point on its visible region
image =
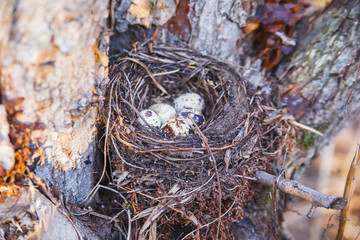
(30, 215)
(318, 199)
(48, 62)
(216, 27)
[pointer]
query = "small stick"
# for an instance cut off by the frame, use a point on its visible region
(295, 188)
(158, 85)
(300, 125)
(348, 192)
(213, 161)
(216, 219)
(96, 187)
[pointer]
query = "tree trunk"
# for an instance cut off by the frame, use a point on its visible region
(52, 78)
(53, 67)
(318, 82)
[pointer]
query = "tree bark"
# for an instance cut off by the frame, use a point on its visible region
(50, 73)
(318, 82)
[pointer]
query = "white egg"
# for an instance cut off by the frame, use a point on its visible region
(197, 116)
(189, 101)
(150, 117)
(175, 128)
(164, 111)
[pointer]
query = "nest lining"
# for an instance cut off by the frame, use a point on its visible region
(194, 179)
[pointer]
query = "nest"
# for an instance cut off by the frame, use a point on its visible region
(185, 184)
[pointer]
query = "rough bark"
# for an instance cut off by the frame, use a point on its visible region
(34, 216)
(48, 63)
(216, 27)
(7, 151)
(323, 69)
(211, 27)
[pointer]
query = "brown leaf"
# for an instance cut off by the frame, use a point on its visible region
(251, 26)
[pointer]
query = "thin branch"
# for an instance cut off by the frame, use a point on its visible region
(158, 85)
(213, 161)
(125, 209)
(295, 188)
(300, 125)
(216, 219)
(348, 192)
(96, 187)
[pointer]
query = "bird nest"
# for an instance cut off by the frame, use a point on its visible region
(185, 185)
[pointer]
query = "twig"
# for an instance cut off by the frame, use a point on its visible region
(96, 187)
(300, 125)
(295, 188)
(216, 219)
(275, 187)
(275, 218)
(187, 193)
(285, 39)
(158, 85)
(184, 149)
(126, 209)
(166, 73)
(348, 192)
(213, 161)
(121, 158)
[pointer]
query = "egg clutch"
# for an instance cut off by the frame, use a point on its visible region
(178, 119)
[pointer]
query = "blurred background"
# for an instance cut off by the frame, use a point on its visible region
(328, 175)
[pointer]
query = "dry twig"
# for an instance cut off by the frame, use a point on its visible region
(348, 192)
(295, 188)
(213, 161)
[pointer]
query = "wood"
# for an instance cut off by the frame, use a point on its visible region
(318, 199)
(48, 60)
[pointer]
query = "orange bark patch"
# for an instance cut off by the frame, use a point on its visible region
(11, 181)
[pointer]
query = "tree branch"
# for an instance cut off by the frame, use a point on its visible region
(295, 188)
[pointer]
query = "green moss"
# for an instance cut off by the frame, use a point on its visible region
(265, 200)
(307, 140)
(152, 5)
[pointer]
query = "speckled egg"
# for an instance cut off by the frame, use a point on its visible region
(189, 101)
(165, 112)
(176, 128)
(197, 116)
(151, 118)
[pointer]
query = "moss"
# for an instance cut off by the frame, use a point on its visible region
(152, 5)
(307, 140)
